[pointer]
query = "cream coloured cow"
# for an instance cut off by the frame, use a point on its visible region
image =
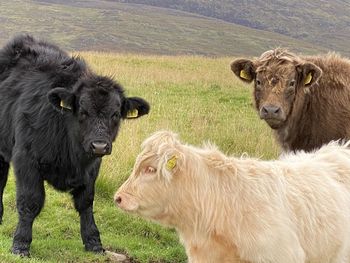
(228, 209)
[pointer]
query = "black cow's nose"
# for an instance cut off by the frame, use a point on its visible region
(270, 111)
(99, 148)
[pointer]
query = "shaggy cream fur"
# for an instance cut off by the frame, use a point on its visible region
(227, 209)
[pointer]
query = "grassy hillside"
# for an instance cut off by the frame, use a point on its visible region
(111, 26)
(197, 97)
(323, 23)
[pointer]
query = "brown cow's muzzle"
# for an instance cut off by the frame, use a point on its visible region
(273, 115)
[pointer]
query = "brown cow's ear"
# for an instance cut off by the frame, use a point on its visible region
(309, 73)
(61, 98)
(243, 69)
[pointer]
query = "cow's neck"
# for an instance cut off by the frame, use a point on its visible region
(209, 249)
(219, 210)
(293, 135)
(200, 216)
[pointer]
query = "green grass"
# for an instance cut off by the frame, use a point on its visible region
(197, 97)
(111, 26)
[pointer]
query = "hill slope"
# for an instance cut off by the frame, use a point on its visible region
(112, 26)
(324, 23)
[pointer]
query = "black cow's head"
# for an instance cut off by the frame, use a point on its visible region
(96, 106)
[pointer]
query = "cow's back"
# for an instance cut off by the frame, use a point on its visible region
(321, 114)
(302, 199)
(318, 193)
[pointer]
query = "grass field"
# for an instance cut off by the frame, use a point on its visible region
(197, 97)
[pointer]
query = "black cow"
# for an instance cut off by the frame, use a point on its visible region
(58, 119)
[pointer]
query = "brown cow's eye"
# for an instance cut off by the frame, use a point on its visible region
(290, 90)
(258, 85)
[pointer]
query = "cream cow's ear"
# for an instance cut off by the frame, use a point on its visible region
(171, 164)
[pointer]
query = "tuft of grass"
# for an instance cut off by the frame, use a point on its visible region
(197, 97)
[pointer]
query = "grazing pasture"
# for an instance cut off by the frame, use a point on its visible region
(198, 98)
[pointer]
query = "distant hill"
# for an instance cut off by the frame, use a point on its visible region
(128, 27)
(321, 22)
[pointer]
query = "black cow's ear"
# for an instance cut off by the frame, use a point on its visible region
(243, 69)
(309, 73)
(134, 107)
(61, 98)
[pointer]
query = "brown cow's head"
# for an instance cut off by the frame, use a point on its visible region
(279, 76)
(150, 189)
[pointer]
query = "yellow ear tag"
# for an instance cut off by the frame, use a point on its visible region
(244, 75)
(64, 106)
(171, 163)
(308, 79)
(132, 114)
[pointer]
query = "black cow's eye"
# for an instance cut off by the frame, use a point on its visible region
(116, 116)
(292, 83)
(258, 82)
(83, 114)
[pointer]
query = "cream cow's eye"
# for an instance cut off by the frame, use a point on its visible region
(150, 170)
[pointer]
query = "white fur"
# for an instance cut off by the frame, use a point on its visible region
(227, 209)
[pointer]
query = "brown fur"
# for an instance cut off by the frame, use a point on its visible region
(310, 114)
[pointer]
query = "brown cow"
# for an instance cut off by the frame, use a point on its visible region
(304, 99)
(229, 210)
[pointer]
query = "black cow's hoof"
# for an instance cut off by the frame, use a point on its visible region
(21, 252)
(95, 248)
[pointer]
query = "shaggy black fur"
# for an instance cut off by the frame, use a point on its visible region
(45, 141)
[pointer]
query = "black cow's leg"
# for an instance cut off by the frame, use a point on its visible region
(83, 201)
(4, 169)
(30, 200)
